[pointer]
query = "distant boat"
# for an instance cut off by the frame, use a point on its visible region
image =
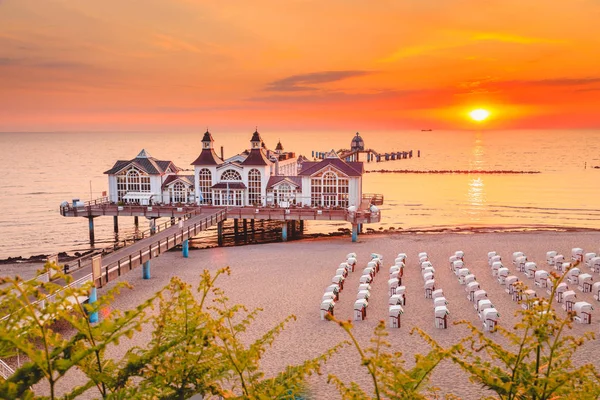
(426, 130)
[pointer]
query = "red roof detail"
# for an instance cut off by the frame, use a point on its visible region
(208, 157)
(348, 168)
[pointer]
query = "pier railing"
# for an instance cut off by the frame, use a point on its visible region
(5, 370)
(125, 264)
(375, 199)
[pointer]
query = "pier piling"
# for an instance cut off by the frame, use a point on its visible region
(220, 234)
(146, 270)
(136, 222)
(91, 228)
(92, 299)
(185, 248)
(284, 231)
(354, 232)
(116, 224)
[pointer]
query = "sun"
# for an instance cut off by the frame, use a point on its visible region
(479, 114)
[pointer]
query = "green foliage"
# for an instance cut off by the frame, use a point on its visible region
(539, 364)
(391, 379)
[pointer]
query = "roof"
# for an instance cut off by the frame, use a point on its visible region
(207, 157)
(232, 185)
(279, 146)
(256, 137)
(256, 157)
(348, 168)
(143, 162)
(207, 137)
(189, 179)
(274, 180)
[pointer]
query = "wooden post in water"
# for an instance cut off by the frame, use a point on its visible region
(252, 229)
(116, 224)
(235, 230)
(136, 222)
(245, 223)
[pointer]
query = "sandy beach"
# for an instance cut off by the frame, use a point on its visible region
(290, 278)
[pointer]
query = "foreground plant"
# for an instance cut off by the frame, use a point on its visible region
(391, 379)
(539, 366)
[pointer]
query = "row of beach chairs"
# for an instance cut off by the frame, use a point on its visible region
(440, 309)
(397, 292)
(332, 292)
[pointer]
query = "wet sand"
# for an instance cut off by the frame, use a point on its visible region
(290, 278)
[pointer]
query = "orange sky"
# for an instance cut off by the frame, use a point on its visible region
(349, 64)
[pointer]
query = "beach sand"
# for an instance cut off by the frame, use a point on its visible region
(290, 278)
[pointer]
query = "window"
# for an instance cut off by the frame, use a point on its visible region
(329, 190)
(254, 187)
(179, 193)
(283, 193)
(205, 183)
(233, 197)
(231, 175)
(132, 180)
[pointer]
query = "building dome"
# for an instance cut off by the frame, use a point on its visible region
(357, 143)
(279, 146)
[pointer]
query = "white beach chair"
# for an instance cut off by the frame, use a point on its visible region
(335, 289)
(457, 265)
(365, 279)
(428, 276)
(427, 269)
(396, 275)
(471, 288)
(440, 301)
(561, 289)
(460, 254)
(596, 291)
(516, 255)
(490, 319)
(510, 282)
(451, 259)
(441, 317)
(462, 273)
(437, 293)
(470, 278)
(364, 286)
(422, 254)
(573, 276)
(395, 311)
(502, 275)
(369, 271)
(328, 296)
(529, 298)
(363, 294)
(495, 267)
(585, 283)
(569, 299)
(559, 260)
(352, 263)
(540, 278)
(481, 305)
(490, 255)
(394, 268)
(360, 309)
(479, 295)
(577, 254)
(494, 259)
(520, 263)
(327, 308)
(595, 264)
(588, 259)
(342, 271)
(346, 266)
(351, 255)
(374, 266)
(401, 291)
(392, 285)
(402, 257)
(339, 280)
(550, 257)
(530, 268)
(583, 312)
(429, 288)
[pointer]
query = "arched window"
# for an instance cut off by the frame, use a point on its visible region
(254, 187)
(132, 180)
(205, 184)
(329, 190)
(179, 193)
(284, 193)
(231, 175)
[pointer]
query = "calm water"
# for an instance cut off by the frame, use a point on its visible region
(44, 169)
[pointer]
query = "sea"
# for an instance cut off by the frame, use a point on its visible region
(460, 181)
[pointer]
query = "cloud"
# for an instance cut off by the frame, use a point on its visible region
(509, 38)
(336, 97)
(302, 82)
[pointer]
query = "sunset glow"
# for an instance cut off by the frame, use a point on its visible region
(182, 65)
(479, 114)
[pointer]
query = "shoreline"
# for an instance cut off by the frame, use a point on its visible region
(65, 256)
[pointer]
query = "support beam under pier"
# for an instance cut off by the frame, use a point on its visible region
(220, 234)
(354, 232)
(116, 224)
(146, 270)
(91, 229)
(136, 222)
(91, 300)
(284, 231)
(185, 248)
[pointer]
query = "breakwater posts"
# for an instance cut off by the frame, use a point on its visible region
(369, 155)
(448, 171)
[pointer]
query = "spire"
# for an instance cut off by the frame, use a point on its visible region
(256, 140)
(144, 154)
